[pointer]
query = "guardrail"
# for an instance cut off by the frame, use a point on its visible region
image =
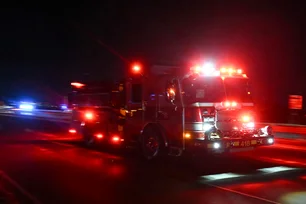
(48, 115)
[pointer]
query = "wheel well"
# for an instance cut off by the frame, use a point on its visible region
(161, 131)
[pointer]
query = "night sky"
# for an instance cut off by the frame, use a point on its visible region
(56, 43)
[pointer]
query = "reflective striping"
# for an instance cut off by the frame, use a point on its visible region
(197, 126)
(247, 104)
(209, 104)
(201, 104)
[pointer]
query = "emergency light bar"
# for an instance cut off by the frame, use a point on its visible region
(209, 69)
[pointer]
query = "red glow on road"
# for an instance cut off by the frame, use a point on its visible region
(303, 177)
(253, 185)
(283, 161)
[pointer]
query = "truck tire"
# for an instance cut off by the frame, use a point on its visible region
(152, 144)
(89, 140)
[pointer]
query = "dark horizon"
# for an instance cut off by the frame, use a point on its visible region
(55, 46)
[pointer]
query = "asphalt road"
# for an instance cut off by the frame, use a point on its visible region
(41, 163)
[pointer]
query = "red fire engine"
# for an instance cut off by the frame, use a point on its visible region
(168, 111)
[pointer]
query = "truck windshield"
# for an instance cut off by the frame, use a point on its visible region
(214, 89)
(102, 99)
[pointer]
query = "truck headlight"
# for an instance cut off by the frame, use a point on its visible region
(217, 145)
(270, 141)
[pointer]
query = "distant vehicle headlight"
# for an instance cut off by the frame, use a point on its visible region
(26, 106)
(64, 107)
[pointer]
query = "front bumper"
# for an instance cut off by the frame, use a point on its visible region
(101, 134)
(229, 144)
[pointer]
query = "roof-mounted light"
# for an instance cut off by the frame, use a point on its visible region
(207, 69)
(228, 105)
(230, 71)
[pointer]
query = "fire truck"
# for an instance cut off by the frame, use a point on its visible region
(169, 110)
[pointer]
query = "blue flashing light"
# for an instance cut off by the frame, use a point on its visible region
(64, 107)
(26, 106)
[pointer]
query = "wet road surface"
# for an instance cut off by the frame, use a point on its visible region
(41, 163)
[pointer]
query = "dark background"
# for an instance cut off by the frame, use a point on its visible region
(45, 47)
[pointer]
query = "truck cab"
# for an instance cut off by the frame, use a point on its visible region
(205, 109)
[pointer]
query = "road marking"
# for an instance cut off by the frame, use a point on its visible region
(19, 187)
(244, 194)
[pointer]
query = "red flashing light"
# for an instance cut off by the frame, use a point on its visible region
(197, 69)
(246, 118)
(223, 70)
(89, 115)
(208, 69)
(234, 104)
(77, 84)
(230, 71)
(136, 68)
(99, 136)
(72, 131)
(115, 139)
(229, 104)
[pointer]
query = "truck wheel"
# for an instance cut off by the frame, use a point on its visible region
(151, 143)
(89, 140)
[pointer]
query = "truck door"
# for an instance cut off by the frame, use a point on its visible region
(135, 107)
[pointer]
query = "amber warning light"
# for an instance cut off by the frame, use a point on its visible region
(229, 104)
